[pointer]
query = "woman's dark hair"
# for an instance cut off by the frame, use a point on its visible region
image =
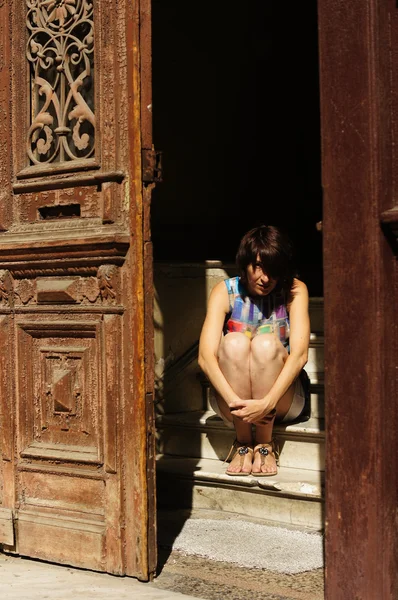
(273, 249)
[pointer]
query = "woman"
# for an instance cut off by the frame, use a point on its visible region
(254, 345)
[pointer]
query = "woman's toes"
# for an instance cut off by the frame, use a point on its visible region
(236, 466)
(264, 464)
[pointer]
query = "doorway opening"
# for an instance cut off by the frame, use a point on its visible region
(236, 114)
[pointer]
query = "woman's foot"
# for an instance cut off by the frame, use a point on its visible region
(241, 463)
(264, 460)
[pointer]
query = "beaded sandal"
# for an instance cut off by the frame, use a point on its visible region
(265, 450)
(242, 450)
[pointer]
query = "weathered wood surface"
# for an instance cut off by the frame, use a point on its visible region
(6, 527)
(359, 70)
(77, 463)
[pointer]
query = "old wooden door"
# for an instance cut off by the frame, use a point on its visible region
(76, 469)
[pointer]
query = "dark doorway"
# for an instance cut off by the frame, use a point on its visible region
(236, 113)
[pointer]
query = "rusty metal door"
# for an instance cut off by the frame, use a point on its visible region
(77, 463)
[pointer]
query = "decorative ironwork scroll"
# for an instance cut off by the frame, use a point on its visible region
(61, 54)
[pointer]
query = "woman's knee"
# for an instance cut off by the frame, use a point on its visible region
(267, 347)
(235, 347)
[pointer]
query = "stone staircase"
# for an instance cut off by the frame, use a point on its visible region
(193, 442)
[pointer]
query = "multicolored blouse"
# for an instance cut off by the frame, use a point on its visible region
(256, 315)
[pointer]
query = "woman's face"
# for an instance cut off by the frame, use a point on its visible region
(258, 282)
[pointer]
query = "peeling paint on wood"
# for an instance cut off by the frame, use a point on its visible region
(76, 405)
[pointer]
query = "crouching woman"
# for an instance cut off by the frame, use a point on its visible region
(253, 347)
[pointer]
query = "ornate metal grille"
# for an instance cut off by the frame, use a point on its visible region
(60, 51)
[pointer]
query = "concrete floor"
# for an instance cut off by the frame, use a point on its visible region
(23, 579)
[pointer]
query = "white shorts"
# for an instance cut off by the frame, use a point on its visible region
(297, 405)
(214, 405)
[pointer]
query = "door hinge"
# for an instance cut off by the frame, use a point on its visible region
(151, 165)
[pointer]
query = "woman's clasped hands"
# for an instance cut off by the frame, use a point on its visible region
(252, 411)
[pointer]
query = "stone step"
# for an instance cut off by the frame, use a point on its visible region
(315, 310)
(202, 434)
(293, 497)
(317, 401)
(315, 363)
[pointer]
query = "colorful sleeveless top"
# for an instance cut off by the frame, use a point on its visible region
(256, 315)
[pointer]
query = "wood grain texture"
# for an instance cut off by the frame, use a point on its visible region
(358, 111)
(75, 315)
(6, 527)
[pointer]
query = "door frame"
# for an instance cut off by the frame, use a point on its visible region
(358, 69)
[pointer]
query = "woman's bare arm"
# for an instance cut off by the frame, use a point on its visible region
(210, 338)
(299, 341)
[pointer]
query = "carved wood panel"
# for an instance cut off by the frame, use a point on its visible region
(58, 371)
(60, 50)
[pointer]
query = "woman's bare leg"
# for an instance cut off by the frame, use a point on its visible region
(234, 361)
(267, 358)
